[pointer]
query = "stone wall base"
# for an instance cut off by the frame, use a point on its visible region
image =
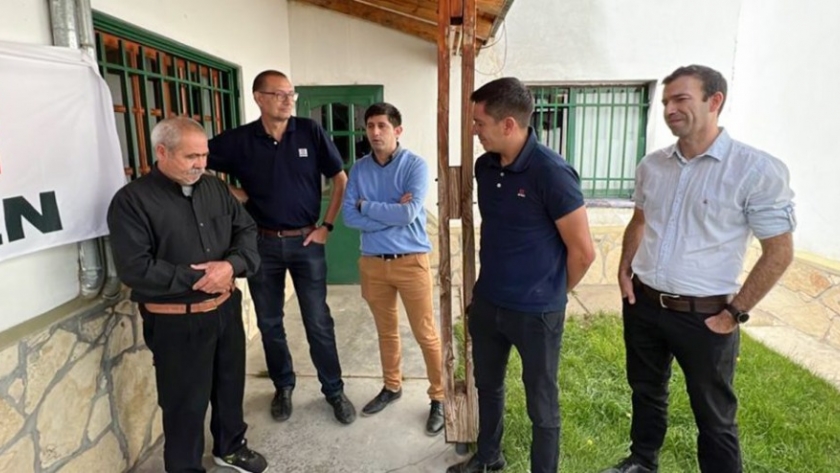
(80, 396)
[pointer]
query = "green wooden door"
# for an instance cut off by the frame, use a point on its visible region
(341, 110)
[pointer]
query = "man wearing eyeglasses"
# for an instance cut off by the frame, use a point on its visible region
(279, 160)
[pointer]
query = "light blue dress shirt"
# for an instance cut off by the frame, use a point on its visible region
(700, 214)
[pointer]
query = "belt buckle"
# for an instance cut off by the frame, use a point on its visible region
(663, 295)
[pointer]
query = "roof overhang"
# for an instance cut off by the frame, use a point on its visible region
(418, 18)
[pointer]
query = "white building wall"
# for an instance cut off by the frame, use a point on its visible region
(363, 53)
(551, 41)
(784, 100)
(25, 21)
(253, 34)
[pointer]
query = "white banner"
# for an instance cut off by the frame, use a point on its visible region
(60, 160)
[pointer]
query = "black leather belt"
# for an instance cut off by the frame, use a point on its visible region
(392, 256)
(297, 232)
(708, 305)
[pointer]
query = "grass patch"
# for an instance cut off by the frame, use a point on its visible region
(789, 419)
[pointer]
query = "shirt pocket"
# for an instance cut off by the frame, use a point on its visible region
(720, 216)
(221, 228)
(711, 225)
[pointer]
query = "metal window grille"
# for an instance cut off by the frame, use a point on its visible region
(152, 78)
(600, 130)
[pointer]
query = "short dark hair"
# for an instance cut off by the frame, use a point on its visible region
(711, 80)
(384, 108)
(259, 81)
(506, 97)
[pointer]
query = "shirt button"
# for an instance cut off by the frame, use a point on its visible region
(275, 143)
(207, 250)
(501, 174)
(200, 224)
(499, 185)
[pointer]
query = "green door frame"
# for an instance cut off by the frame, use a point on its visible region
(340, 110)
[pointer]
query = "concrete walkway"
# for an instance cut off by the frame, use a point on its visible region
(312, 441)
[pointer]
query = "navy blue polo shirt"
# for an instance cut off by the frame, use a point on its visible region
(523, 258)
(282, 178)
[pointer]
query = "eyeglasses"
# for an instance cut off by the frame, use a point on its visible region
(281, 96)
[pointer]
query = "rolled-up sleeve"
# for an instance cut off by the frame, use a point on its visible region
(769, 207)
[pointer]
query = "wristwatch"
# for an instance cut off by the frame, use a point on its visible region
(328, 226)
(739, 315)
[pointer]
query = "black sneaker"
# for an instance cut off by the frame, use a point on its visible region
(381, 401)
(281, 405)
(243, 460)
(629, 465)
(434, 425)
(342, 408)
(474, 466)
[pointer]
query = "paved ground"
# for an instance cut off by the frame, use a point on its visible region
(312, 441)
(393, 440)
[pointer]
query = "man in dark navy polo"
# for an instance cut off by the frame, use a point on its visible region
(279, 160)
(535, 247)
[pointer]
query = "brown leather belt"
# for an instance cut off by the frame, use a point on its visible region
(194, 308)
(297, 232)
(701, 305)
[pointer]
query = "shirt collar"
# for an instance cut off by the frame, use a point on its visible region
(390, 158)
(718, 150)
(259, 129)
(523, 159)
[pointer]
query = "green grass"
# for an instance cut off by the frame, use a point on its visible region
(789, 419)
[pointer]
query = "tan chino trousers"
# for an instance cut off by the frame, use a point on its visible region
(411, 278)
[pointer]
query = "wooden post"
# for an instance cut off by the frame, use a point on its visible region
(455, 200)
(444, 270)
(466, 192)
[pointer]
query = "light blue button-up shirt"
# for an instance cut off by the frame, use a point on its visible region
(700, 214)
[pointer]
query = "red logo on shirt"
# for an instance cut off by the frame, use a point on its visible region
(521, 193)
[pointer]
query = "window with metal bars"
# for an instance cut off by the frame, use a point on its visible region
(152, 78)
(600, 130)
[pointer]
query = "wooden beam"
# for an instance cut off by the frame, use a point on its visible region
(420, 9)
(407, 24)
(456, 9)
(467, 224)
(493, 7)
(444, 269)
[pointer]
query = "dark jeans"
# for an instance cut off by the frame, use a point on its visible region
(537, 338)
(308, 267)
(199, 358)
(654, 336)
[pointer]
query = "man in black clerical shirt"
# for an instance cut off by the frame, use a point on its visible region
(179, 240)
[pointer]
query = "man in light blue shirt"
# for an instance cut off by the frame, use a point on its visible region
(698, 202)
(384, 200)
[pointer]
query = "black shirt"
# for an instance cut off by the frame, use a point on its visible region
(282, 178)
(157, 233)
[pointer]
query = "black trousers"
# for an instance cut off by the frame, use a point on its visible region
(537, 338)
(199, 358)
(654, 336)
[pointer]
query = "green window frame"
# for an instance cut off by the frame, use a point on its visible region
(601, 130)
(152, 78)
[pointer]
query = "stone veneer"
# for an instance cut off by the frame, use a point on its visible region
(80, 396)
(807, 297)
